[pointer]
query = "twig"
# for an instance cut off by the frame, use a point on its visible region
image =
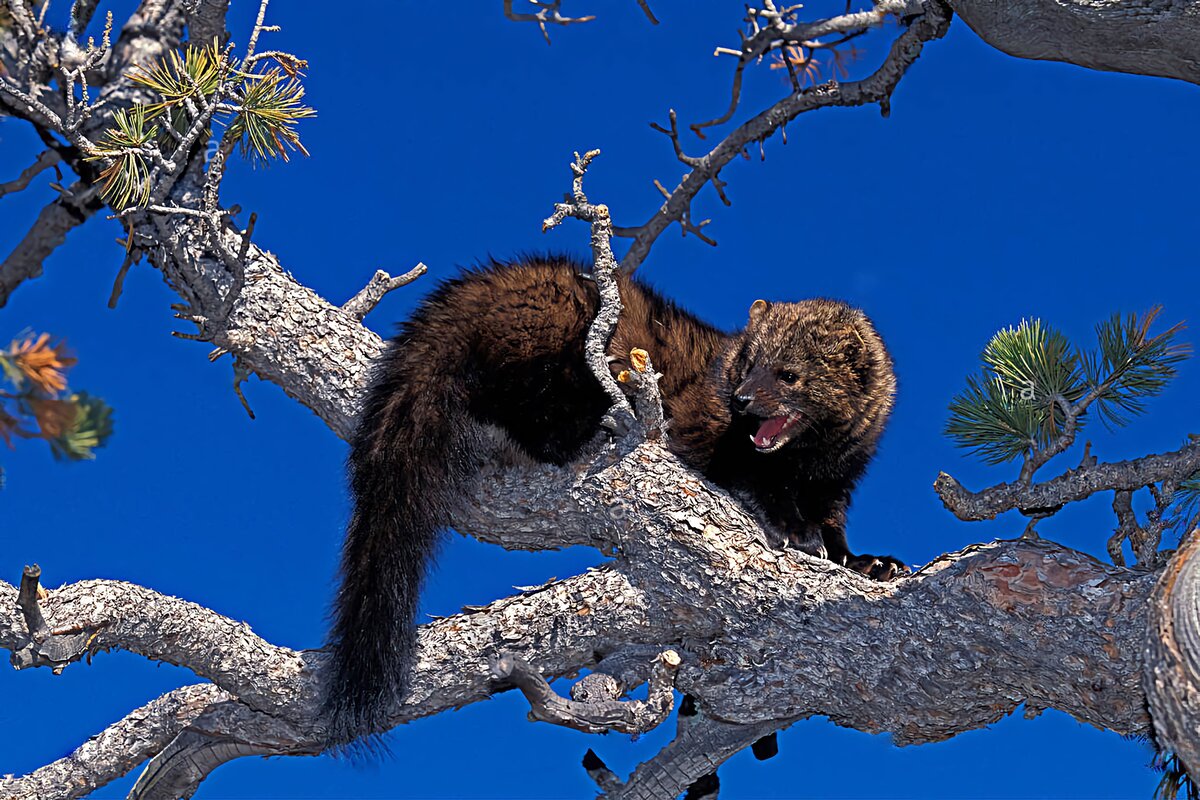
(647, 400)
(47, 159)
(547, 13)
(645, 7)
(876, 88)
(240, 373)
(778, 34)
(50, 119)
(133, 256)
(27, 601)
(620, 415)
(596, 709)
(81, 14)
(258, 28)
(246, 236)
(380, 284)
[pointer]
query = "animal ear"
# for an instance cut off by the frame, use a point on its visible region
(757, 308)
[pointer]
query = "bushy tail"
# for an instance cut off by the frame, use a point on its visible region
(414, 453)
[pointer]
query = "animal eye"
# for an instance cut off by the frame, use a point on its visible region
(788, 377)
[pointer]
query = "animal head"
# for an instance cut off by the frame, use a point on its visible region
(815, 367)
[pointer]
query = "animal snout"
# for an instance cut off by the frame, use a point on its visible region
(742, 401)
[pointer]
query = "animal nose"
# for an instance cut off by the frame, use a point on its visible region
(742, 401)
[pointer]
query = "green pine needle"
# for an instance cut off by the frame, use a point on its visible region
(1175, 779)
(1037, 364)
(1131, 364)
(1186, 505)
(1031, 371)
(271, 106)
(993, 421)
(11, 371)
(1014, 406)
(127, 178)
(195, 75)
(90, 430)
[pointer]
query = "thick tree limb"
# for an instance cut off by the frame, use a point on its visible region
(700, 746)
(1172, 664)
(277, 708)
(765, 637)
(1142, 37)
(109, 754)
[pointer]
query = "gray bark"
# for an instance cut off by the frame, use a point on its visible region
(766, 637)
(1142, 37)
(1172, 658)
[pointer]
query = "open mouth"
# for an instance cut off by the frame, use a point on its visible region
(772, 434)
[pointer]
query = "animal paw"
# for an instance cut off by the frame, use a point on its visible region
(878, 568)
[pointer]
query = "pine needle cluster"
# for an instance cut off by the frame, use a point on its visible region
(259, 106)
(37, 403)
(1036, 386)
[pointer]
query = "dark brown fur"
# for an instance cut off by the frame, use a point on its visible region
(502, 347)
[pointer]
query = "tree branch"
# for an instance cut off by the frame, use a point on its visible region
(765, 637)
(47, 159)
(49, 230)
(1140, 37)
(877, 88)
(1074, 484)
(380, 284)
(595, 707)
(699, 747)
(118, 748)
(547, 14)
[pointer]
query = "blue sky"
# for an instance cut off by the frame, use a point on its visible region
(998, 189)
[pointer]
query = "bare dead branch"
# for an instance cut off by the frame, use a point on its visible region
(49, 230)
(258, 29)
(27, 602)
(81, 15)
(277, 706)
(772, 31)
(593, 709)
(47, 159)
(380, 284)
(645, 7)
(131, 258)
(547, 14)
(620, 414)
(932, 24)
(647, 400)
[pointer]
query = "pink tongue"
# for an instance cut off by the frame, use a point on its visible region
(768, 431)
